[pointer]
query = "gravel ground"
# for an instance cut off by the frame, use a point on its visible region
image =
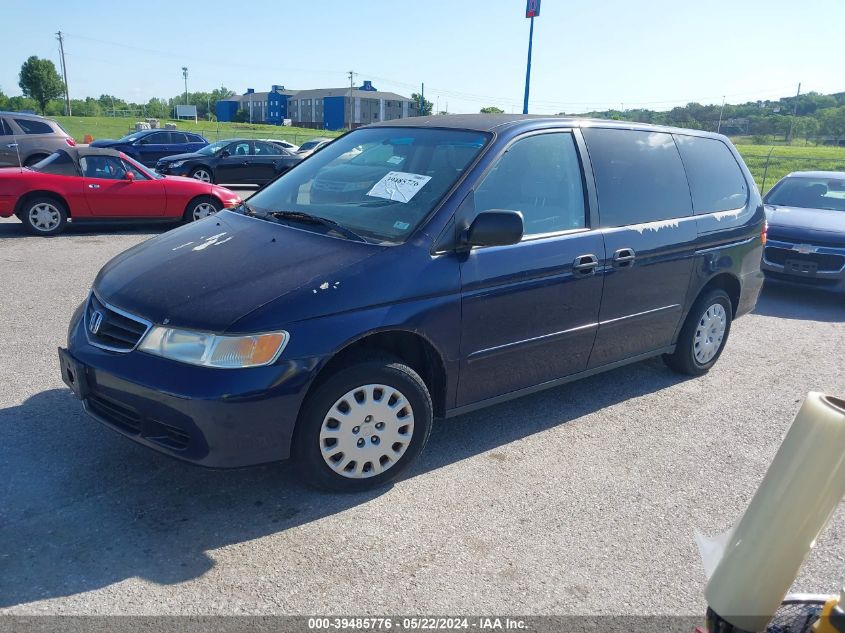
(579, 500)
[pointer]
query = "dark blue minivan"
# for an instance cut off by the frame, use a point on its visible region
(416, 269)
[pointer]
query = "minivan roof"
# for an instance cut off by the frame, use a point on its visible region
(498, 122)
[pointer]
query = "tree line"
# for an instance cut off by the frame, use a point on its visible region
(43, 92)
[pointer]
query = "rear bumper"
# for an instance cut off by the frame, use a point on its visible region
(209, 417)
(750, 286)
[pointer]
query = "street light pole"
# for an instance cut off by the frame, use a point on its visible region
(719, 128)
(185, 75)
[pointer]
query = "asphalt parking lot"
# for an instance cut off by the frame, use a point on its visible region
(579, 500)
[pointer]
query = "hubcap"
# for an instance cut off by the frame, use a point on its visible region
(44, 217)
(709, 333)
(203, 175)
(366, 431)
(203, 210)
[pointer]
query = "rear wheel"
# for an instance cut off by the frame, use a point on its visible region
(44, 216)
(363, 426)
(204, 174)
(703, 335)
(200, 208)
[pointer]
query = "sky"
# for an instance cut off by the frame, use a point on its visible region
(588, 55)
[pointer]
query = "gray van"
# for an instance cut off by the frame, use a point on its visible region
(26, 139)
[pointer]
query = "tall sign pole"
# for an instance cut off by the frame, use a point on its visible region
(532, 10)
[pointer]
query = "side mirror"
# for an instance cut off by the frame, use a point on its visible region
(496, 227)
(224, 154)
(129, 176)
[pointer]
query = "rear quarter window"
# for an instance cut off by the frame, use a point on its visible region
(30, 126)
(715, 178)
(639, 176)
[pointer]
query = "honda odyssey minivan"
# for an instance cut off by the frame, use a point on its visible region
(452, 263)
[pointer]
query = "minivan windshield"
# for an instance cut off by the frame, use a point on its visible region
(809, 193)
(379, 183)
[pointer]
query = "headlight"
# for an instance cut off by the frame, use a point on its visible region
(178, 163)
(213, 350)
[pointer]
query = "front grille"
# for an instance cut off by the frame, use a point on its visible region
(780, 235)
(116, 414)
(825, 261)
(113, 329)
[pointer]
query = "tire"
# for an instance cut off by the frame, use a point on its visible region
(35, 158)
(200, 208)
(366, 391)
(703, 335)
(203, 174)
(44, 216)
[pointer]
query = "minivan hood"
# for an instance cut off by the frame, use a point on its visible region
(208, 274)
(796, 220)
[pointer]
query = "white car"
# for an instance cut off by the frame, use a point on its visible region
(286, 144)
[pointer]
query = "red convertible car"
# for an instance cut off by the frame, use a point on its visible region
(93, 184)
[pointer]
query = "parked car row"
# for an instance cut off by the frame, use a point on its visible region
(99, 184)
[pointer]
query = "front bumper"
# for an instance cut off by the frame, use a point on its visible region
(211, 417)
(821, 267)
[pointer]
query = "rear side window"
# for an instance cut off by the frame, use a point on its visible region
(715, 179)
(178, 137)
(541, 177)
(193, 138)
(58, 164)
(639, 176)
(158, 138)
(34, 127)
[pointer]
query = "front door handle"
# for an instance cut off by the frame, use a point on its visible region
(585, 265)
(93, 186)
(12, 145)
(624, 258)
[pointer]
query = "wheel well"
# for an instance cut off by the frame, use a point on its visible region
(729, 284)
(40, 194)
(412, 349)
(205, 196)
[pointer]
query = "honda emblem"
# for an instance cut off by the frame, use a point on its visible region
(95, 322)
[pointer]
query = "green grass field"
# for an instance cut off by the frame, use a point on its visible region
(788, 158)
(109, 127)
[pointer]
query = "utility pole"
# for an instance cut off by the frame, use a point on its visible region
(422, 99)
(351, 74)
(60, 37)
(794, 111)
(721, 111)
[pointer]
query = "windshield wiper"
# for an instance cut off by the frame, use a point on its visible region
(307, 218)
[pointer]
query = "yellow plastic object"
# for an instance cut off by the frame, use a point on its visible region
(802, 487)
(824, 624)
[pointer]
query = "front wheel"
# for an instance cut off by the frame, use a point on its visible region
(363, 426)
(44, 216)
(204, 174)
(201, 208)
(703, 335)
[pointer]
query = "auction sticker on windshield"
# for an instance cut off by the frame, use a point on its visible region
(398, 186)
